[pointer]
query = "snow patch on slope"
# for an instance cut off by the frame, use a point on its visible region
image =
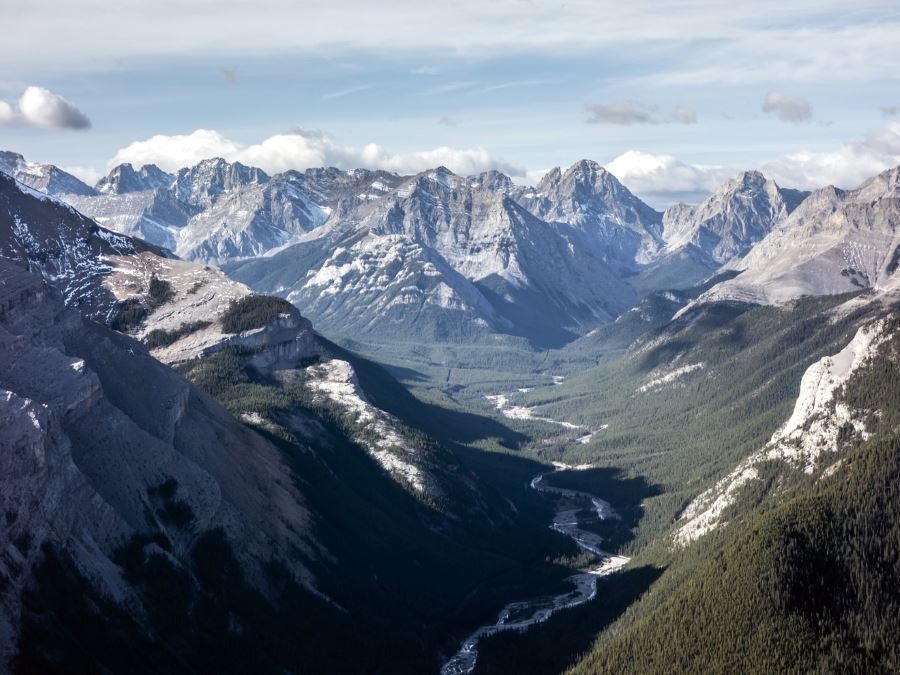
(375, 430)
(670, 377)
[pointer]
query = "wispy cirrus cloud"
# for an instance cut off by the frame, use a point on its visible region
(447, 88)
(349, 91)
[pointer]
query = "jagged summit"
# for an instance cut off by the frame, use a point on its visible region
(734, 218)
(204, 182)
(45, 178)
(835, 241)
(124, 178)
(589, 197)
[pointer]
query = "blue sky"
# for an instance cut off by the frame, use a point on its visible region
(521, 86)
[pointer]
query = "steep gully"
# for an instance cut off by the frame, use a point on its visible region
(520, 615)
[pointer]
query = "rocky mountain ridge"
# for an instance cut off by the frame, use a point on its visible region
(834, 242)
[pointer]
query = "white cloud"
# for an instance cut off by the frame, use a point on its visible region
(788, 108)
(662, 180)
(301, 149)
(341, 93)
(88, 174)
(846, 167)
(39, 107)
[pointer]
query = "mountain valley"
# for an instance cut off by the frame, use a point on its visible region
(251, 419)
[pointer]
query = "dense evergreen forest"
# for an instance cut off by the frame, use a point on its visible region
(803, 579)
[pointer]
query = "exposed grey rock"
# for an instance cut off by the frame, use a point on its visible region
(123, 179)
(619, 225)
(835, 241)
(51, 238)
(732, 220)
(44, 178)
(83, 449)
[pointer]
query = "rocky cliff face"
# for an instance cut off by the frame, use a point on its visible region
(810, 439)
(44, 178)
(732, 220)
(835, 242)
(445, 257)
(590, 198)
(51, 238)
(93, 462)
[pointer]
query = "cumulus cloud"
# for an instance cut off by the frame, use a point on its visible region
(662, 180)
(627, 113)
(88, 174)
(301, 149)
(846, 167)
(39, 107)
(788, 108)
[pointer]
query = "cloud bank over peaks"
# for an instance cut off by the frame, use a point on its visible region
(301, 149)
(39, 107)
(662, 179)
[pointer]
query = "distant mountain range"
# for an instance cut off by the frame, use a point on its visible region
(441, 256)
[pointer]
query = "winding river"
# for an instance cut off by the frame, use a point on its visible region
(520, 615)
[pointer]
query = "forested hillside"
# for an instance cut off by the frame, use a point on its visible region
(807, 585)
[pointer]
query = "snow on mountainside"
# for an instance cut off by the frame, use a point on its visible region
(124, 179)
(385, 284)
(42, 177)
(108, 276)
(61, 244)
(152, 215)
(375, 430)
(472, 249)
(215, 210)
(835, 241)
(249, 221)
(590, 198)
(548, 262)
(807, 441)
(727, 224)
(203, 183)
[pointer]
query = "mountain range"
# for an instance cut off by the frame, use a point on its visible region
(454, 258)
(196, 478)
